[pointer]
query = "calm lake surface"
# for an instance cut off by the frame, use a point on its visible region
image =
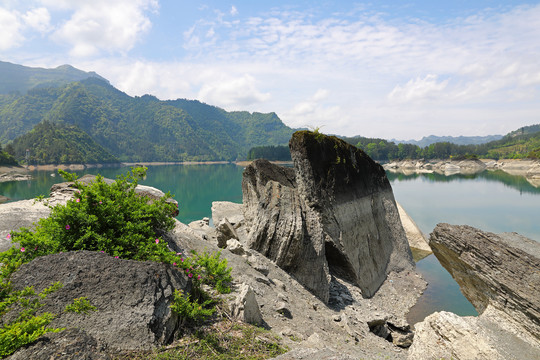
(492, 201)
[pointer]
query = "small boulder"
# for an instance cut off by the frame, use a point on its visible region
(225, 232)
(235, 247)
(245, 307)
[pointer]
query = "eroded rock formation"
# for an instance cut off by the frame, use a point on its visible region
(499, 274)
(335, 211)
(498, 270)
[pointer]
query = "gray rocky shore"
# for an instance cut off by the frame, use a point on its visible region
(530, 169)
(319, 256)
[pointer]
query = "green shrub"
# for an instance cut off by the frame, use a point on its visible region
(190, 310)
(26, 327)
(101, 217)
(109, 218)
(80, 305)
(214, 271)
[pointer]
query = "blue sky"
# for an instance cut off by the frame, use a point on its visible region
(390, 69)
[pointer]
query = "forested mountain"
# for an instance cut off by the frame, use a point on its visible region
(518, 144)
(141, 128)
(272, 153)
(526, 130)
(18, 78)
(50, 143)
(458, 140)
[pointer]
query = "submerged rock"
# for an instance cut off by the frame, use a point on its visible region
(334, 212)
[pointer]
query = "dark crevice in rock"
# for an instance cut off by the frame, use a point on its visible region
(400, 336)
(379, 328)
(338, 264)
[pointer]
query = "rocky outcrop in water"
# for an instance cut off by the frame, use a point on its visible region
(500, 276)
(132, 298)
(498, 270)
(446, 167)
(334, 212)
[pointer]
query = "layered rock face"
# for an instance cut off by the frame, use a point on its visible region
(335, 211)
(499, 274)
(498, 270)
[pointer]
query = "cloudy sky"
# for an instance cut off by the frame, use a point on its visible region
(390, 69)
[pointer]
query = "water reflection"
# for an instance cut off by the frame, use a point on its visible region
(516, 182)
(493, 201)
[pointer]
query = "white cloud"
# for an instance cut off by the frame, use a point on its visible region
(418, 89)
(233, 11)
(38, 19)
(314, 112)
(227, 92)
(10, 29)
(102, 25)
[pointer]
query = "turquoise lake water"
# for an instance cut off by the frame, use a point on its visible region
(492, 201)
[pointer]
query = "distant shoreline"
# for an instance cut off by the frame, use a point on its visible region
(51, 167)
(17, 173)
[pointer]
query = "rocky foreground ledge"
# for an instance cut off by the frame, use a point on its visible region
(500, 276)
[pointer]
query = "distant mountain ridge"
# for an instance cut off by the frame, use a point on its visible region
(137, 128)
(458, 140)
(19, 78)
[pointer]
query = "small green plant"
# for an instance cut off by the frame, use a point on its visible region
(318, 135)
(214, 271)
(191, 310)
(80, 305)
(26, 326)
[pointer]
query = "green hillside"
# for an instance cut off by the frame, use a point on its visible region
(6, 158)
(518, 144)
(50, 143)
(18, 78)
(141, 128)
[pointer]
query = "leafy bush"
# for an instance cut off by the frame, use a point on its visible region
(101, 217)
(110, 218)
(213, 271)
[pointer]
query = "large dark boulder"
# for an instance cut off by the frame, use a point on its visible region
(70, 344)
(133, 298)
(333, 212)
